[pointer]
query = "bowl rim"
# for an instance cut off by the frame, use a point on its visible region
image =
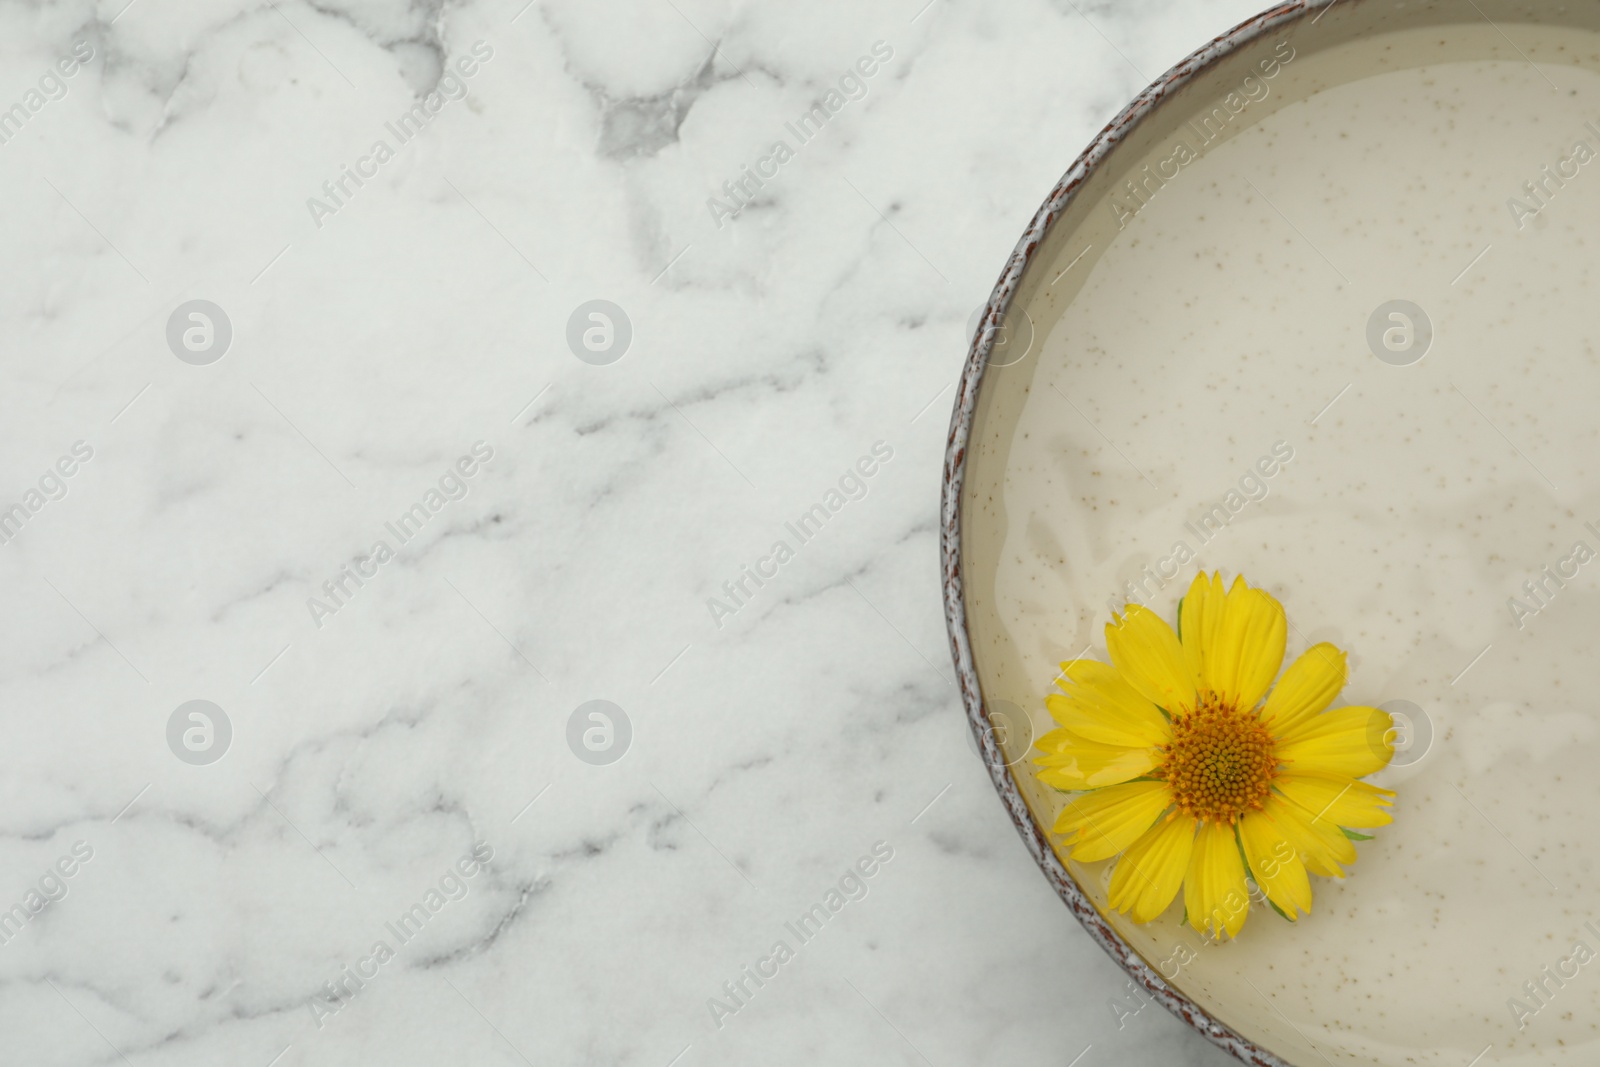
(1055, 204)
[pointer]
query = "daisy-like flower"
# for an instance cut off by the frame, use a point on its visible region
(1197, 776)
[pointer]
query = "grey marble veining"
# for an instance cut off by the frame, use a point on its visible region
(399, 509)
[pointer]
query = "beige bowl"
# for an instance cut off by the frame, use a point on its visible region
(1352, 245)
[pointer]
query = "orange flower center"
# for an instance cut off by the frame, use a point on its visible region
(1221, 761)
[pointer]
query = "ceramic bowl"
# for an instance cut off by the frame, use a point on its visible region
(1312, 308)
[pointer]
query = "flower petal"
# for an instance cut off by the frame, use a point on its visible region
(1073, 763)
(1306, 688)
(1275, 862)
(1338, 800)
(1321, 844)
(1249, 644)
(1198, 618)
(1149, 873)
(1100, 705)
(1147, 654)
(1108, 820)
(1353, 741)
(1214, 891)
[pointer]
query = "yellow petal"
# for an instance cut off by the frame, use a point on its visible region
(1098, 704)
(1056, 741)
(1353, 741)
(1248, 648)
(1149, 873)
(1306, 688)
(1214, 891)
(1108, 820)
(1074, 763)
(1198, 618)
(1147, 654)
(1338, 800)
(1275, 863)
(1322, 845)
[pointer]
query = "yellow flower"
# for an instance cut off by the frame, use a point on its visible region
(1190, 770)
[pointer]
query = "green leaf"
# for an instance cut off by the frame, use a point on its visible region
(1279, 910)
(1180, 618)
(1352, 835)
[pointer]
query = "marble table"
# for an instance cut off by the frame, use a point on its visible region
(469, 531)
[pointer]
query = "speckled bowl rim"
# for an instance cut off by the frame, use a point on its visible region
(955, 463)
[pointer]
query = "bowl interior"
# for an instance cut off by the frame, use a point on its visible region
(1201, 366)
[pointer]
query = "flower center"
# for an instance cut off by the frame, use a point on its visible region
(1221, 761)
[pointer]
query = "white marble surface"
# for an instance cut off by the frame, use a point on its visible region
(375, 341)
